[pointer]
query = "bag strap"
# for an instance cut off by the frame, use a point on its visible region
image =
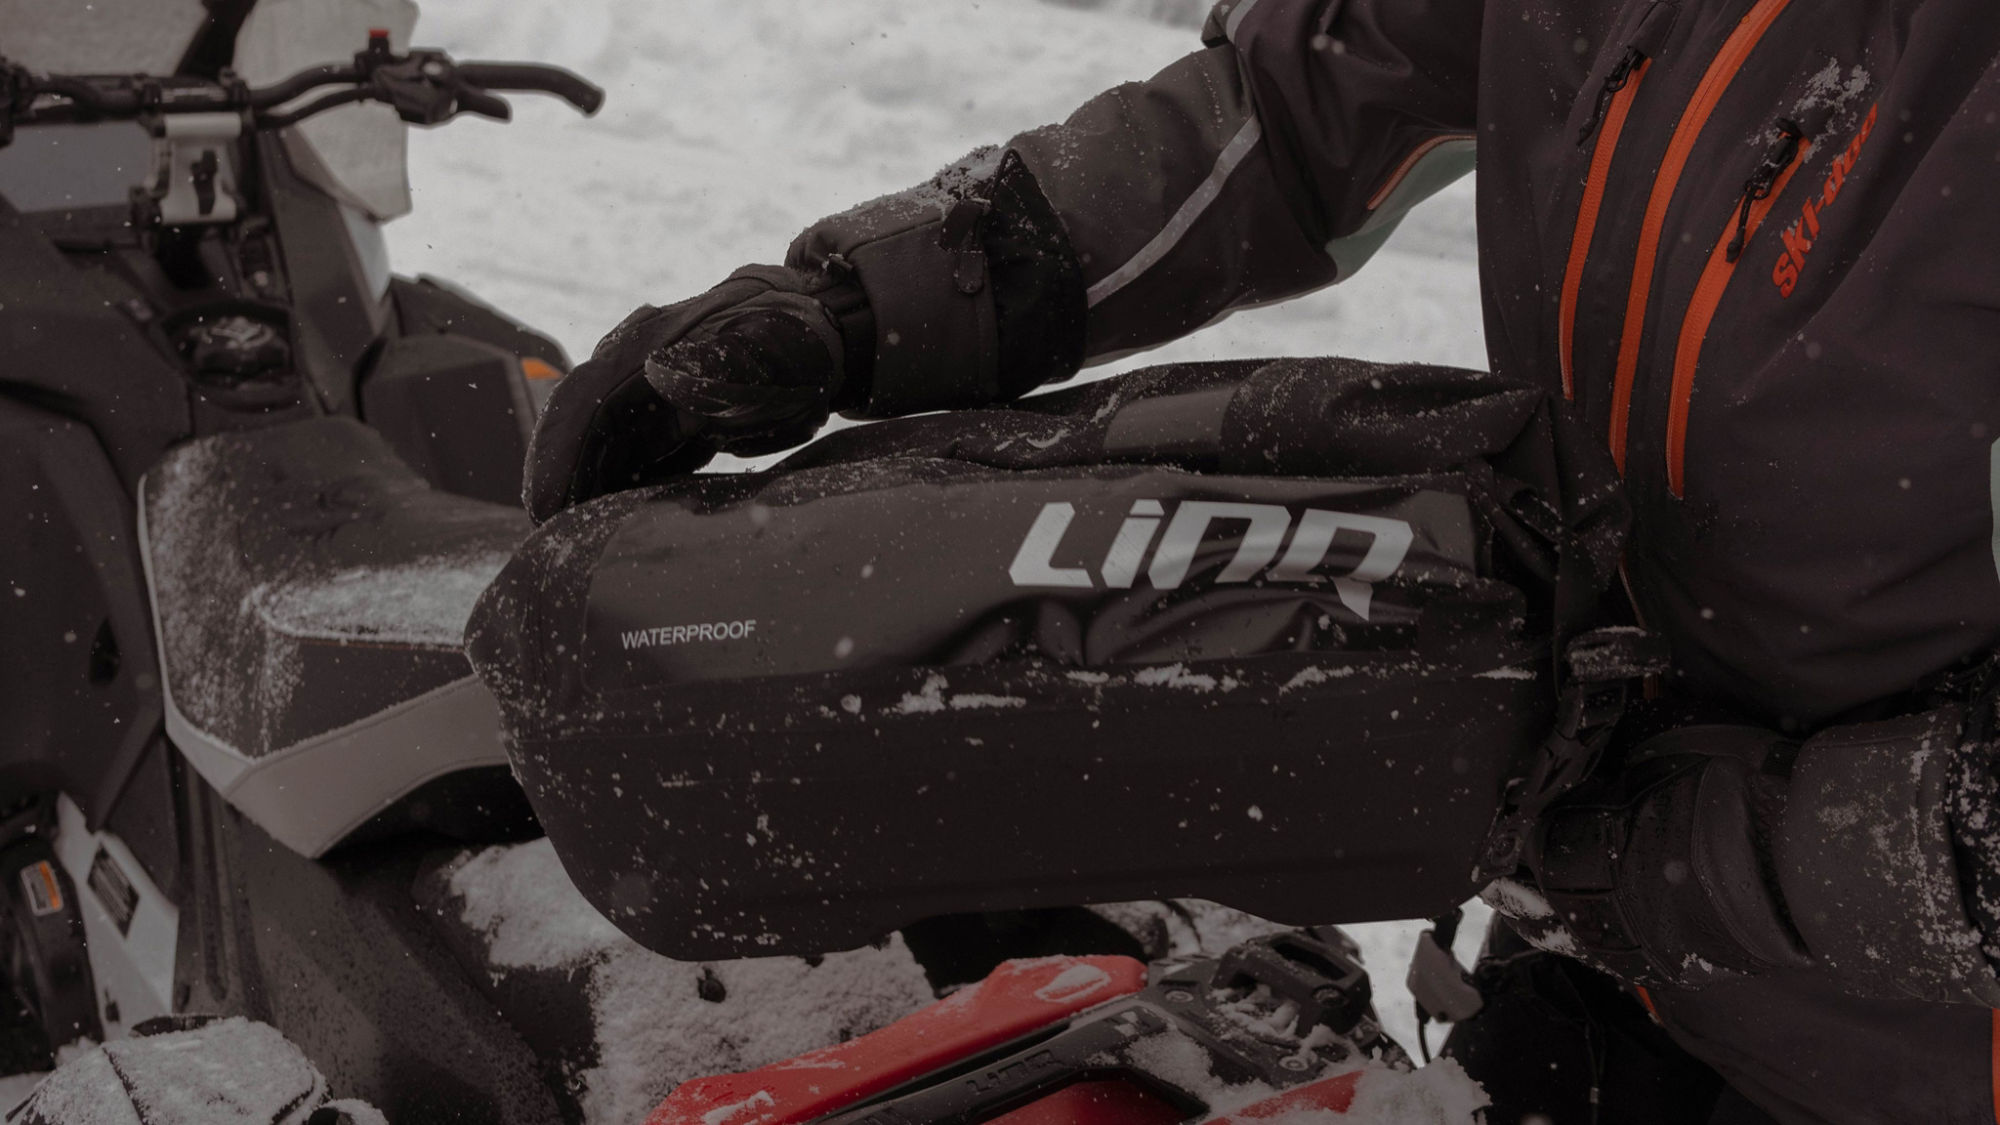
(1599, 670)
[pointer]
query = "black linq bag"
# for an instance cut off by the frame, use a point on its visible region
(1274, 633)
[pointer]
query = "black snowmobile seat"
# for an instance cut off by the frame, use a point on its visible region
(310, 593)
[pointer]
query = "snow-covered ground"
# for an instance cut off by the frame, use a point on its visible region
(729, 127)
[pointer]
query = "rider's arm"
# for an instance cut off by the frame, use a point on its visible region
(1273, 162)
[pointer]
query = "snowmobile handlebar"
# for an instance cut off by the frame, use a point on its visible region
(425, 87)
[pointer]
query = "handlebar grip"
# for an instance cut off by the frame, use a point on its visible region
(570, 87)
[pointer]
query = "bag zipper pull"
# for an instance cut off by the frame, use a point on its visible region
(1783, 151)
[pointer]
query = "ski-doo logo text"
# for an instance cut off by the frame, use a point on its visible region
(662, 635)
(1269, 526)
(1800, 236)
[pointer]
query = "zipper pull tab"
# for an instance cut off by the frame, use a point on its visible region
(1779, 157)
(1613, 82)
(1647, 40)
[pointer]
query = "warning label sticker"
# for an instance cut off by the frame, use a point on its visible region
(44, 893)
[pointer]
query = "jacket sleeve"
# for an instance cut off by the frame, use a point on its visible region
(1271, 163)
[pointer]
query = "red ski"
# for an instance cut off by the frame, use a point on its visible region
(1275, 1026)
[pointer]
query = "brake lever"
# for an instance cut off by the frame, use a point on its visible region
(472, 99)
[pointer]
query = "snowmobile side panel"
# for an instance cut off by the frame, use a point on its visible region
(45, 941)
(338, 954)
(1220, 631)
(130, 925)
(430, 304)
(1017, 999)
(70, 349)
(83, 695)
(456, 409)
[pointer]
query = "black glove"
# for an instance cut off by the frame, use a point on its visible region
(1659, 872)
(750, 366)
(764, 373)
(1866, 853)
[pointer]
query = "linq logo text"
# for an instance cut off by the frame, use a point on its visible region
(1304, 541)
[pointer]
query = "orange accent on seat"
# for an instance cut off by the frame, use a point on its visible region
(1721, 72)
(1586, 220)
(533, 368)
(1701, 311)
(1994, 1037)
(1395, 179)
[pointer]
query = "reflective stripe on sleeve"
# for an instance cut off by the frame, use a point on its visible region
(1183, 220)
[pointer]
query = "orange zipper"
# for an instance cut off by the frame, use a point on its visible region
(1701, 310)
(1721, 72)
(1586, 221)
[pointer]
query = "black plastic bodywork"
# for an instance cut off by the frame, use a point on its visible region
(338, 954)
(455, 408)
(83, 689)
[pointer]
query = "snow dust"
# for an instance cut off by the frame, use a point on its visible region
(422, 603)
(230, 1072)
(655, 1028)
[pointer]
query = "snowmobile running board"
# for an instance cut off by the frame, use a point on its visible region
(1277, 1025)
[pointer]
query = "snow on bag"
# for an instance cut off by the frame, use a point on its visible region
(1273, 633)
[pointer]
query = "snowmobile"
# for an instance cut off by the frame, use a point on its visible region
(261, 482)
(186, 265)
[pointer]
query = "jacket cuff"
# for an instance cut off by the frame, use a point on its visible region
(974, 291)
(1865, 860)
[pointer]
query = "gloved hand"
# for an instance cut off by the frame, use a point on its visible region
(1867, 854)
(751, 366)
(1658, 871)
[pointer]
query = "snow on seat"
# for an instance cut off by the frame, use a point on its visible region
(310, 593)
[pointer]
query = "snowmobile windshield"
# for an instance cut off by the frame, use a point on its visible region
(359, 153)
(100, 37)
(60, 167)
(70, 167)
